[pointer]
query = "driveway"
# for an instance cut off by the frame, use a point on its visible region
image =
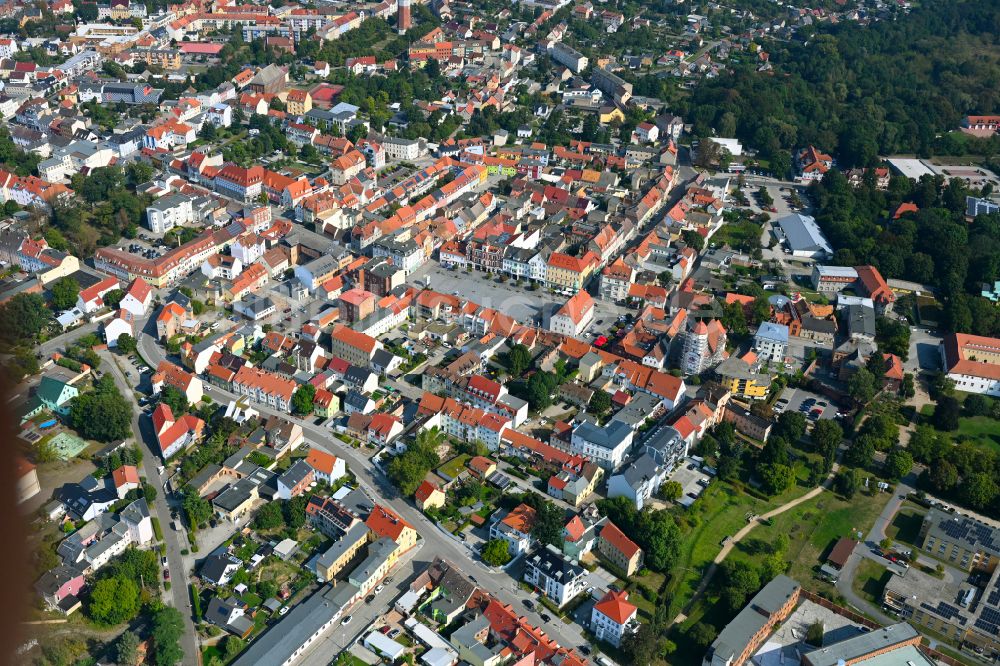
(180, 567)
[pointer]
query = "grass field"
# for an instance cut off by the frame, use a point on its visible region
(980, 431)
(905, 527)
(870, 580)
(720, 512)
(454, 467)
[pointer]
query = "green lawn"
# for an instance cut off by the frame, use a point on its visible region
(981, 431)
(720, 512)
(905, 527)
(454, 466)
(870, 580)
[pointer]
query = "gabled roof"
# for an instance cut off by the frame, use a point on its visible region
(615, 606)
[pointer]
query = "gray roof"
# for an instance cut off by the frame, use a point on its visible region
(358, 532)
(860, 320)
(803, 234)
(664, 445)
(294, 474)
(554, 565)
(773, 332)
(465, 636)
(378, 554)
(608, 437)
(734, 638)
(859, 646)
(279, 643)
(964, 531)
(639, 471)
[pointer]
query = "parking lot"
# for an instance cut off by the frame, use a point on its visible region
(693, 481)
(812, 405)
(524, 305)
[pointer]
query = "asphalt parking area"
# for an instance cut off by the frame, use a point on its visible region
(689, 480)
(806, 403)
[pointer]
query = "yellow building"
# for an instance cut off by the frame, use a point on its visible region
(566, 272)
(737, 377)
(298, 102)
(168, 59)
(384, 522)
(609, 114)
(428, 496)
(342, 551)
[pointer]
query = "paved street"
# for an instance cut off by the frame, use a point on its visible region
(863, 551)
(175, 541)
(373, 482)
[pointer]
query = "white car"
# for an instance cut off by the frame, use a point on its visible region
(379, 589)
(283, 610)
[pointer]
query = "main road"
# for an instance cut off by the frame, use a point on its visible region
(144, 436)
(435, 541)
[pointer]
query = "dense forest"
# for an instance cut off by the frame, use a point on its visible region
(861, 91)
(933, 246)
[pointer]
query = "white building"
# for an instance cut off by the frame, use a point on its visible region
(167, 212)
(555, 575)
(401, 149)
(607, 446)
(972, 362)
(574, 316)
(120, 325)
(770, 342)
(612, 617)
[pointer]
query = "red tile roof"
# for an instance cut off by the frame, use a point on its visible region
(385, 522)
(617, 540)
(615, 606)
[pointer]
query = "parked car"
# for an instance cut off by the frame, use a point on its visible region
(346, 620)
(527, 604)
(545, 617)
(283, 610)
(394, 633)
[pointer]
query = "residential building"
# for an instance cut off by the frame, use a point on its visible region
(264, 387)
(743, 636)
(515, 528)
(639, 480)
(60, 588)
(740, 379)
(621, 551)
(972, 362)
(704, 346)
(354, 347)
(429, 495)
(896, 640)
(613, 617)
(347, 543)
(962, 541)
(295, 480)
(771, 342)
(574, 316)
(326, 466)
(606, 446)
(385, 523)
(555, 575)
(175, 434)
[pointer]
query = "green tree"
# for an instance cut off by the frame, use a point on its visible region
(693, 239)
(791, 426)
(175, 399)
(496, 553)
(660, 537)
(113, 298)
(862, 386)
(600, 402)
(898, 463)
(549, 522)
(518, 360)
(815, 633)
(826, 437)
(979, 491)
(946, 413)
(739, 581)
(64, 293)
(126, 343)
(198, 510)
(268, 516)
(102, 414)
(672, 491)
(302, 399)
(775, 478)
(168, 627)
(233, 646)
(113, 601)
(846, 482)
(127, 648)
(701, 635)
(861, 452)
(22, 318)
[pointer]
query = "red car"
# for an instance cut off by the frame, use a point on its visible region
(601, 341)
